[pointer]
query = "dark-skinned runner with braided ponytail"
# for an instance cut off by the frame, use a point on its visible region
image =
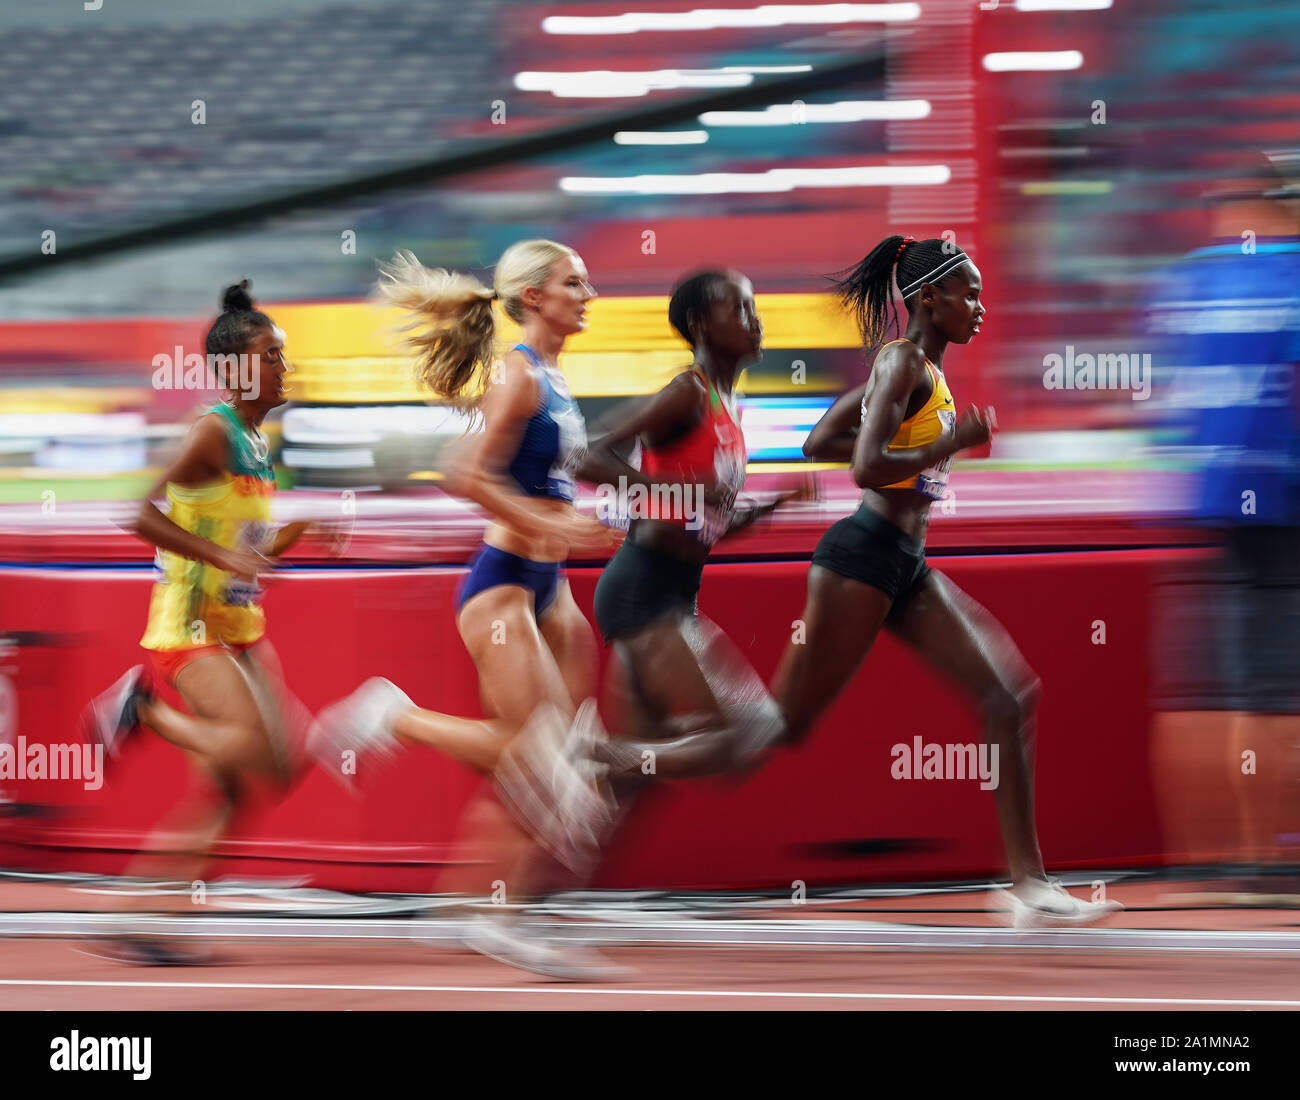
(899, 431)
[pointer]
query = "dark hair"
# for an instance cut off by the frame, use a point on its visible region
(866, 289)
(231, 332)
(1260, 175)
(694, 294)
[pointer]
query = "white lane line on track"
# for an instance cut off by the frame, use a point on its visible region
(615, 992)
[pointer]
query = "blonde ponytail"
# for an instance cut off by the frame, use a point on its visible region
(450, 326)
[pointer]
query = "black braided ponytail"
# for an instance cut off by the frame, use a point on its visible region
(867, 289)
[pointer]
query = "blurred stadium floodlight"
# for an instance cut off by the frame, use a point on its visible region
(708, 19)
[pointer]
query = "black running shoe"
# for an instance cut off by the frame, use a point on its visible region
(150, 951)
(110, 719)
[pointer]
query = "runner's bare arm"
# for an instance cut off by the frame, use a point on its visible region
(897, 373)
(833, 436)
(660, 417)
(202, 461)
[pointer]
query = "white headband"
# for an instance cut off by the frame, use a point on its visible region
(938, 273)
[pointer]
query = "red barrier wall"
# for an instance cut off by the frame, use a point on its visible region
(829, 812)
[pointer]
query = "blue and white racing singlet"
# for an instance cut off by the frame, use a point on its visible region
(555, 440)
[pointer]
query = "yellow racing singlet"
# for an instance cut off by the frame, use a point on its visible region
(196, 604)
(933, 419)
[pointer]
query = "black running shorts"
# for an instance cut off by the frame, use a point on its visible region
(869, 549)
(640, 585)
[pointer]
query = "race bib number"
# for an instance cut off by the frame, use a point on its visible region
(241, 592)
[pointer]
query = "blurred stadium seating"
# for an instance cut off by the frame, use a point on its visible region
(1065, 213)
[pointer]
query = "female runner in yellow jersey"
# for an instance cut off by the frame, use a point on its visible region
(206, 634)
(900, 431)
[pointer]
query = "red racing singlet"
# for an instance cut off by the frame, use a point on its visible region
(711, 452)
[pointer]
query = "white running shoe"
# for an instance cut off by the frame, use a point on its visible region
(511, 943)
(110, 718)
(586, 809)
(759, 725)
(553, 797)
(1045, 904)
(362, 724)
(586, 732)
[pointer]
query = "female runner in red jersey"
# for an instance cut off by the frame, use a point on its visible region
(697, 705)
(900, 431)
